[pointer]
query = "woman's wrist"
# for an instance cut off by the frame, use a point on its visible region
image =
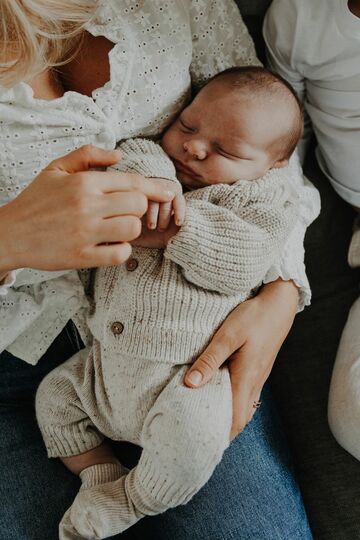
(283, 294)
(7, 243)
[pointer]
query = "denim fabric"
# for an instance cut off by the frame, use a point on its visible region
(252, 494)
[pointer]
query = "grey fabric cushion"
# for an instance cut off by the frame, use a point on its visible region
(253, 12)
(329, 477)
(253, 7)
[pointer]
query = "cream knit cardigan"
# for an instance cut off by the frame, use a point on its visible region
(166, 304)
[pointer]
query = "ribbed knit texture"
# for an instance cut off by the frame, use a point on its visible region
(175, 299)
(141, 156)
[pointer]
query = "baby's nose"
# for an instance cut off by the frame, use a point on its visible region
(196, 149)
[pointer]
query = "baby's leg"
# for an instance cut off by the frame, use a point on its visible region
(183, 439)
(69, 434)
(344, 397)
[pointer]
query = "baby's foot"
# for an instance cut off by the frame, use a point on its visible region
(88, 517)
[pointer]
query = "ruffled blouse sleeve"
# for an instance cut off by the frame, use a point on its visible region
(290, 265)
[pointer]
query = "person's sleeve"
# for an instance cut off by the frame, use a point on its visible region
(36, 308)
(145, 157)
(8, 281)
(232, 234)
(220, 39)
(290, 265)
(284, 42)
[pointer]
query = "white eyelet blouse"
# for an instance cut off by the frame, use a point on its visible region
(160, 49)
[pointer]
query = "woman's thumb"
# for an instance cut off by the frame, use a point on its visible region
(85, 158)
(203, 369)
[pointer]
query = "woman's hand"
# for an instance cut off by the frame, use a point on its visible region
(250, 339)
(71, 217)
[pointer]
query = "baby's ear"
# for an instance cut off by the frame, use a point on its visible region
(281, 163)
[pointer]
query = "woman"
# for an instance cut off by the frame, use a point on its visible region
(128, 75)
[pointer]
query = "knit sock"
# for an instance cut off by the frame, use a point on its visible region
(90, 515)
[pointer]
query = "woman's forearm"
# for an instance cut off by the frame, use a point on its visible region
(249, 339)
(7, 240)
(282, 293)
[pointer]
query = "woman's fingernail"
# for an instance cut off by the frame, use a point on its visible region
(195, 378)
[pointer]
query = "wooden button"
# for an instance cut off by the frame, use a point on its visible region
(131, 264)
(117, 328)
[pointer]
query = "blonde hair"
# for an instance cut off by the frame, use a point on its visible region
(36, 35)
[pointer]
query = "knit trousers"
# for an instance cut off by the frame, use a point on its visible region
(183, 431)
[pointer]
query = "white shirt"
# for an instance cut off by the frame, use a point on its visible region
(159, 50)
(315, 45)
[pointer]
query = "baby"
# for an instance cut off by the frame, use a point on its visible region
(315, 46)
(156, 313)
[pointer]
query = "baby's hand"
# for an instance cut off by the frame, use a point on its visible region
(159, 215)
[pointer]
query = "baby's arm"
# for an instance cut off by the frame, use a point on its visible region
(147, 158)
(232, 234)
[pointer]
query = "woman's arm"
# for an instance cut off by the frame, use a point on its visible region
(71, 217)
(250, 340)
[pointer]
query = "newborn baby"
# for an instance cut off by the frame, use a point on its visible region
(155, 314)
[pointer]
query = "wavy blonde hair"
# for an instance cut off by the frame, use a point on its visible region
(39, 34)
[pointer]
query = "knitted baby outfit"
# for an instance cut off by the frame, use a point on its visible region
(153, 316)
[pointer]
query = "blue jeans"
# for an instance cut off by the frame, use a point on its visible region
(251, 496)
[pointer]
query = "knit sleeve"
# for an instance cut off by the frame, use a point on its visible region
(290, 265)
(145, 157)
(220, 39)
(233, 234)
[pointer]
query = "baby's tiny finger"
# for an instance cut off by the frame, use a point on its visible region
(179, 205)
(152, 215)
(164, 216)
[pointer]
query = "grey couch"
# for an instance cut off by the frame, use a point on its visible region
(329, 477)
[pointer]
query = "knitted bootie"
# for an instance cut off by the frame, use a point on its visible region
(91, 514)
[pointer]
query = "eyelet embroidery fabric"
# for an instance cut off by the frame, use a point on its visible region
(160, 48)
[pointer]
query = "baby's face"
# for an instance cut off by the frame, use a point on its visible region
(221, 137)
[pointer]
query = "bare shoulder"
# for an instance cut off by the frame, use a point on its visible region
(89, 69)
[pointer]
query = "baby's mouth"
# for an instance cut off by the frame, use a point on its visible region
(184, 169)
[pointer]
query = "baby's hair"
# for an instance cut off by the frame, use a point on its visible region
(39, 34)
(262, 83)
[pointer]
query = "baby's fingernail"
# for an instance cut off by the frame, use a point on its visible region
(151, 225)
(195, 378)
(178, 222)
